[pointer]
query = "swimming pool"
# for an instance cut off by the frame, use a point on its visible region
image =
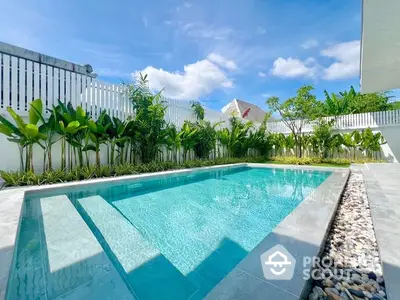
(173, 237)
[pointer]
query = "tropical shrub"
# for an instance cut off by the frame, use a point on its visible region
(148, 124)
(83, 173)
(352, 102)
(237, 139)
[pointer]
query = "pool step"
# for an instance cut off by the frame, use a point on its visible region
(149, 273)
(74, 263)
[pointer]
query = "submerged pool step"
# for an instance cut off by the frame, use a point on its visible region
(75, 265)
(150, 274)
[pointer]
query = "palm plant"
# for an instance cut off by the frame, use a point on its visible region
(198, 110)
(149, 125)
(205, 137)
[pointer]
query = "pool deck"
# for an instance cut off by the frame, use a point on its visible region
(302, 233)
(383, 189)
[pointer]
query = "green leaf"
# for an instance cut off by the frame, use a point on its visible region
(67, 117)
(19, 141)
(10, 125)
(20, 122)
(6, 130)
(42, 136)
(62, 127)
(74, 143)
(92, 126)
(72, 127)
(31, 130)
(80, 115)
(93, 137)
(36, 111)
(89, 148)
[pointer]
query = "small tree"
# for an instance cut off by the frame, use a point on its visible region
(296, 112)
(324, 137)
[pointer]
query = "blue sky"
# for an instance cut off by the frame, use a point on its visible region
(212, 51)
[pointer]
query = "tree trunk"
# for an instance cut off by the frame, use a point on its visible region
(31, 158)
(49, 159)
(63, 160)
(21, 157)
(112, 153)
(98, 156)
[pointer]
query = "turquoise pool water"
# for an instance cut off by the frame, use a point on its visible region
(173, 237)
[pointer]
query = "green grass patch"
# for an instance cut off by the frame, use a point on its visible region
(316, 161)
(336, 165)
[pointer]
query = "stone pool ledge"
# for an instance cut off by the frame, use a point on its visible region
(11, 200)
(383, 191)
(302, 233)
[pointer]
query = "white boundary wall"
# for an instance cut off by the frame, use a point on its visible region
(28, 75)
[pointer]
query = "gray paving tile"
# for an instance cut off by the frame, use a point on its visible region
(241, 286)
(383, 190)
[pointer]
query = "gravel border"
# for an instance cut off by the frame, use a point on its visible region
(350, 266)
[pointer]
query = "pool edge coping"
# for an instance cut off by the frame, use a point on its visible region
(11, 204)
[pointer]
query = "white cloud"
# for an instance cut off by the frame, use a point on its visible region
(308, 44)
(347, 56)
(222, 61)
(200, 30)
(197, 80)
(293, 67)
(262, 74)
(266, 95)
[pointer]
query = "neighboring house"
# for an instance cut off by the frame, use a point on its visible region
(244, 110)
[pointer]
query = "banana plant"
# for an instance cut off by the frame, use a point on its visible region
(98, 135)
(72, 126)
(371, 142)
(290, 142)
(25, 135)
(352, 140)
(173, 141)
(187, 135)
(48, 128)
(278, 141)
(115, 130)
